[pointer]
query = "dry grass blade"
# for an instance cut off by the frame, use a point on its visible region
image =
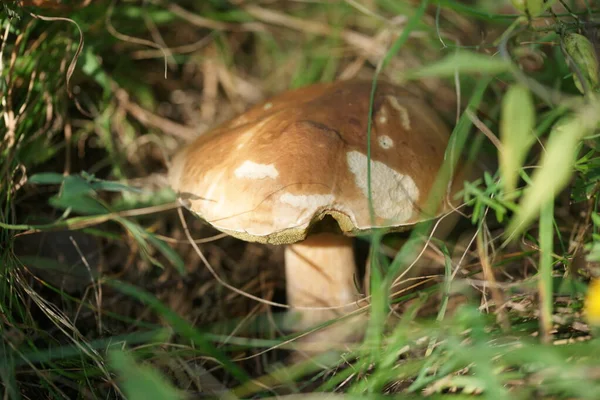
(131, 39)
(73, 62)
(359, 41)
(152, 120)
(490, 277)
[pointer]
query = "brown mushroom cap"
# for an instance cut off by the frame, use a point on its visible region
(272, 172)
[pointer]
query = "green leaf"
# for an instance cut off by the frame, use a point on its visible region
(46, 178)
(516, 134)
(109, 186)
(77, 194)
(81, 204)
(463, 62)
(75, 185)
(140, 382)
(583, 54)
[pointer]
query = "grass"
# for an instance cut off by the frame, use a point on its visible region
(103, 296)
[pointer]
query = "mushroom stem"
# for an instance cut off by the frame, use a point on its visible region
(320, 272)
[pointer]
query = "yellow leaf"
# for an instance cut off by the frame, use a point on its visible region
(556, 165)
(592, 303)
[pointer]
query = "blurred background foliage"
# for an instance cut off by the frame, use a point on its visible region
(101, 294)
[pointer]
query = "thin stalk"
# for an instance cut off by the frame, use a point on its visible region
(545, 290)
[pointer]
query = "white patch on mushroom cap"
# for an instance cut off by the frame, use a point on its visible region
(404, 115)
(393, 194)
(309, 201)
(267, 106)
(252, 170)
(385, 142)
(382, 115)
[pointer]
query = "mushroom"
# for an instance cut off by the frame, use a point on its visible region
(293, 171)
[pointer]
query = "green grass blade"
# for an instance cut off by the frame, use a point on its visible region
(182, 327)
(141, 382)
(545, 288)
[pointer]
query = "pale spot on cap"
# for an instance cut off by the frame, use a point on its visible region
(393, 194)
(404, 115)
(385, 142)
(382, 115)
(252, 170)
